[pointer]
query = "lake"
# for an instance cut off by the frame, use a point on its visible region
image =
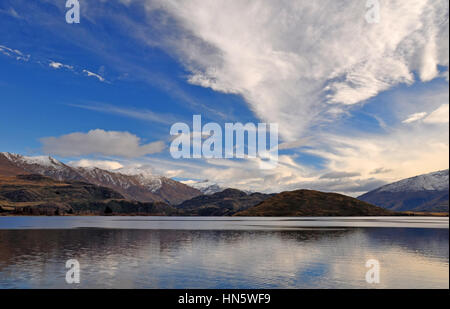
(175, 252)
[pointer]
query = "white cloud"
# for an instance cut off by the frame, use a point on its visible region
(299, 64)
(108, 143)
(402, 153)
(354, 163)
(59, 65)
(20, 56)
(293, 61)
(102, 164)
(246, 175)
(414, 117)
(91, 74)
(55, 65)
(14, 53)
(439, 116)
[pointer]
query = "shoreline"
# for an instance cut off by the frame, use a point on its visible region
(406, 214)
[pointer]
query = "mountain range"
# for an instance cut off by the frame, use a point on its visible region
(44, 185)
(209, 188)
(206, 188)
(135, 185)
(423, 193)
(33, 194)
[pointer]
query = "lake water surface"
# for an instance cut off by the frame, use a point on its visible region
(175, 252)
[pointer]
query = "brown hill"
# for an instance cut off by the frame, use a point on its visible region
(306, 203)
(39, 195)
(7, 168)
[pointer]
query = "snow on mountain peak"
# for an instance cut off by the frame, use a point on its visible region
(45, 161)
(10, 156)
(204, 186)
(134, 183)
(144, 176)
(42, 160)
(437, 181)
(136, 170)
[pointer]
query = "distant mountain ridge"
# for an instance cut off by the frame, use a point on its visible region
(428, 193)
(224, 203)
(140, 187)
(209, 188)
(205, 186)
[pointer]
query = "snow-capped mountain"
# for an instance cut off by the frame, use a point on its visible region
(429, 192)
(206, 187)
(42, 165)
(209, 188)
(133, 184)
(144, 176)
(436, 181)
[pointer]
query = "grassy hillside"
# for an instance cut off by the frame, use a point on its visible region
(313, 203)
(225, 203)
(40, 195)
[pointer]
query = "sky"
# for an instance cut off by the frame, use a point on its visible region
(358, 104)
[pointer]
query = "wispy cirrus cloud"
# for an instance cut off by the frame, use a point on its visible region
(304, 65)
(415, 117)
(20, 56)
(91, 74)
(14, 53)
(438, 116)
(59, 65)
(11, 12)
(141, 114)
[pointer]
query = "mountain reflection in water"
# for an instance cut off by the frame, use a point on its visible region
(310, 258)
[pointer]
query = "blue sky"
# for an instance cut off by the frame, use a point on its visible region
(358, 105)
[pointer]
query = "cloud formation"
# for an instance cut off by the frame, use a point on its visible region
(91, 74)
(15, 53)
(146, 115)
(11, 12)
(295, 61)
(58, 65)
(339, 175)
(20, 56)
(439, 116)
(102, 164)
(108, 143)
(415, 117)
(303, 65)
